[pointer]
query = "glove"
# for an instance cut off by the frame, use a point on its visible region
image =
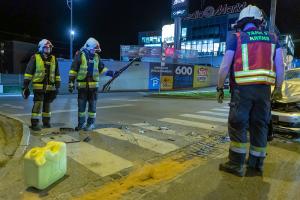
(277, 93)
(25, 92)
(110, 73)
(220, 95)
(71, 87)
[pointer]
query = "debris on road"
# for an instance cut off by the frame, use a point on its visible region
(66, 129)
(162, 128)
(87, 139)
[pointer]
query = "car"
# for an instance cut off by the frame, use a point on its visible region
(286, 112)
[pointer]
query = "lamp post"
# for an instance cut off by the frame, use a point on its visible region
(272, 15)
(72, 33)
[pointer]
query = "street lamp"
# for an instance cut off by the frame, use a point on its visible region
(72, 33)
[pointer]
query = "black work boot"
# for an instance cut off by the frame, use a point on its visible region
(89, 127)
(36, 127)
(235, 165)
(233, 168)
(46, 125)
(80, 127)
(255, 166)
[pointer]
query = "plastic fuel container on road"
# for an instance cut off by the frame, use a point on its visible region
(45, 165)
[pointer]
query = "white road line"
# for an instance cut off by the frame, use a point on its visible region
(76, 110)
(12, 106)
(97, 160)
(134, 100)
(143, 141)
(12, 95)
(143, 93)
(204, 117)
(195, 124)
(221, 109)
(214, 113)
(130, 100)
(118, 99)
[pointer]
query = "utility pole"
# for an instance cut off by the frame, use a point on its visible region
(272, 16)
(71, 32)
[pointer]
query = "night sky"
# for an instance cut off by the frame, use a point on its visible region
(112, 22)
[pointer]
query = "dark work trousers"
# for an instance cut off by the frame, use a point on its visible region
(87, 95)
(41, 107)
(249, 108)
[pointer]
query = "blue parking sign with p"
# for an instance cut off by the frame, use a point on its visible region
(154, 83)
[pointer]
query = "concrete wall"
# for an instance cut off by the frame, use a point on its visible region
(134, 78)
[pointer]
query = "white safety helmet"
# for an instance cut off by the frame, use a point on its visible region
(44, 43)
(92, 44)
(250, 13)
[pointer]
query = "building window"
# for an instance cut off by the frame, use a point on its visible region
(223, 47)
(210, 46)
(183, 32)
(199, 45)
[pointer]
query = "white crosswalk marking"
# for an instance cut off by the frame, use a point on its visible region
(97, 160)
(214, 113)
(140, 140)
(206, 126)
(221, 109)
(206, 118)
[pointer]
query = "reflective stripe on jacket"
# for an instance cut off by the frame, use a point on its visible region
(83, 69)
(40, 72)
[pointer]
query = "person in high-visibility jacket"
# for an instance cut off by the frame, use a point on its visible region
(43, 71)
(86, 70)
(254, 59)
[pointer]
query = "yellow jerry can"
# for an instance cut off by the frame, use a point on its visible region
(45, 165)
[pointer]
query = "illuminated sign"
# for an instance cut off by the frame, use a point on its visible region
(177, 2)
(221, 10)
(168, 33)
(179, 8)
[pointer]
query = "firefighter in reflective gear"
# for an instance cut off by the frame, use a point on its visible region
(86, 70)
(254, 59)
(42, 70)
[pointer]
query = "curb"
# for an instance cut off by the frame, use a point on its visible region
(182, 97)
(24, 140)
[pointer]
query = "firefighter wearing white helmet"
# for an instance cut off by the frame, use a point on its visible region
(86, 70)
(254, 59)
(250, 14)
(42, 70)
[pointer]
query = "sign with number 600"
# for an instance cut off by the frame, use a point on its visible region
(183, 70)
